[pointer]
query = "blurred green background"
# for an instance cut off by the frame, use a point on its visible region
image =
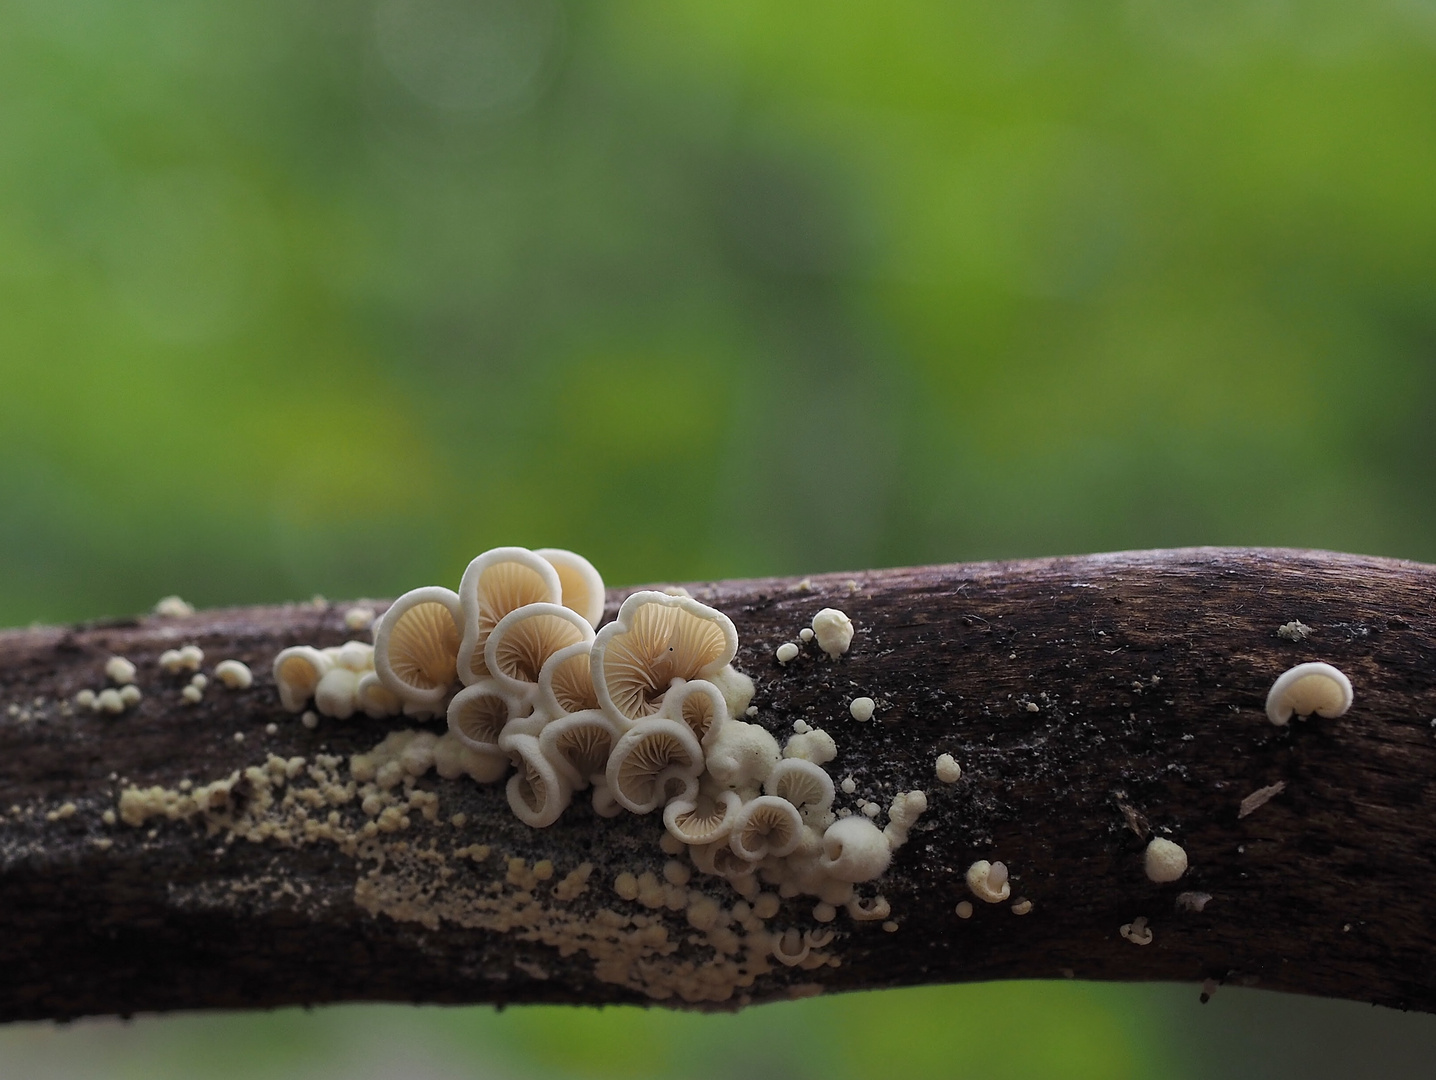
(306, 296)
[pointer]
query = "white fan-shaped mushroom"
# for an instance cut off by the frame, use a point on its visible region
(1308, 688)
(741, 755)
(655, 639)
(854, 849)
(805, 785)
(655, 760)
(565, 685)
(478, 713)
(580, 583)
(699, 704)
(579, 745)
(523, 640)
(703, 819)
(765, 826)
(416, 643)
(537, 793)
(297, 671)
(497, 582)
(375, 699)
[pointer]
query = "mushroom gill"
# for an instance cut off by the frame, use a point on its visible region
(702, 820)
(579, 745)
(495, 583)
(478, 713)
(807, 786)
(652, 758)
(566, 681)
(699, 704)
(298, 670)
(581, 585)
(416, 643)
(765, 826)
(655, 639)
(523, 640)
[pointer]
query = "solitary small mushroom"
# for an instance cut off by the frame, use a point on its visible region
(1308, 688)
(297, 671)
(579, 744)
(988, 881)
(1164, 861)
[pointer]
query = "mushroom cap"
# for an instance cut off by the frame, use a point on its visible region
(805, 785)
(375, 699)
(298, 670)
(649, 760)
(854, 849)
(416, 643)
(765, 826)
(741, 755)
(703, 819)
(565, 685)
(834, 631)
(697, 703)
(495, 583)
(537, 793)
(579, 745)
(988, 881)
(1308, 688)
(336, 693)
(580, 584)
(655, 639)
(479, 713)
(790, 948)
(523, 640)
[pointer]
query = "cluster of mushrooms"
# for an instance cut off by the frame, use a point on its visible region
(643, 713)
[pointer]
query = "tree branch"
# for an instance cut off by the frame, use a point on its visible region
(1089, 701)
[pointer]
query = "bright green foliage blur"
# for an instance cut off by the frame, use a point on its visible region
(304, 296)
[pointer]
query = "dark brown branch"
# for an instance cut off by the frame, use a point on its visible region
(1148, 673)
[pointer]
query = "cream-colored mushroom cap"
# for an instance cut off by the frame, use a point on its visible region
(988, 881)
(1308, 688)
(655, 639)
(805, 785)
(416, 643)
(537, 793)
(375, 699)
(581, 585)
(765, 826)
(297, 671)
(854, 849)
(705, 819)
(579, 745)
(656, 760)
(478, 714)
(565, 685)
(499, 581)
(697, 703)
(523, 640)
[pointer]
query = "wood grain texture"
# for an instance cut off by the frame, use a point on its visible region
(1148, 672)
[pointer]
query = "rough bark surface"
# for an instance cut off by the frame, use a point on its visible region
(1089, 700)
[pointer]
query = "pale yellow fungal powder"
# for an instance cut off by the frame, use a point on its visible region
(862, 708)
(834, 631)
(1165, 861)
(948, 770)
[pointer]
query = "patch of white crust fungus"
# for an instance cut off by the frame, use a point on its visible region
(641, 713)
(1306, 689)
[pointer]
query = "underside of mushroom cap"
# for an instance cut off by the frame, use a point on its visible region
(581, 585)
(697, 703)
(654, 761)
(565, 685)
(655, 639)
(416, 643)
(478, 714)
(765, 827)
(807, 786)
(537, 793)
(297, 671)
(704, 819)
(579, 745)
(1309, 688)
(495, 583)
(522, 642)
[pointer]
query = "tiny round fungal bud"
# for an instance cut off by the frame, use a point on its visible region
(806, 633)
(890, 927)
(786, 651)
(191, 657)
(130, 695)
(834, 631)
(862, 708)
(964, 909)
(310, 719)
(199, 681)
(948, 770)
(1022, 906)
(849, 785)
(85, 699)
(171, 663)
(110, 701)
(824, 912)
(119, 671)
(192, 694)
(172, 607)
(988, 881)
(359, 618)
(234, 674)
(1165, 861)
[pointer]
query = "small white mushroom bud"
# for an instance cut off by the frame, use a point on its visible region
(948, 770)
(109, 701)
(172, 607)
(191, 657)
(359, 618)
(862, 708)
(337, 693)
(964, 909)
(1308, 688)
(119, 671)
(1165, 861)
(192, 695)
(85, 699)
(806, 633)
(199, 681)
(834, 631)
(234, 674)
(130, 695)
(988, 881)
(786, 651)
